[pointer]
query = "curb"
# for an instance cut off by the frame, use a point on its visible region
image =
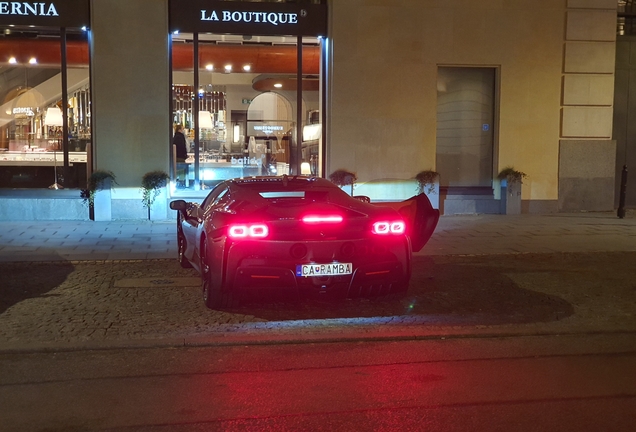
(264, 338)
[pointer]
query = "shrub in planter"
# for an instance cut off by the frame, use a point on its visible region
(426, 181)
(511, 175)
(511, 198)
(343, 177)
(95, 183)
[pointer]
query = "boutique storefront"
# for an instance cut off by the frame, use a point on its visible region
(252, 104)
(244, 79)
(384, 89)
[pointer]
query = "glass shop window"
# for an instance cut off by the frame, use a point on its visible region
(239, 107)
(38, 149)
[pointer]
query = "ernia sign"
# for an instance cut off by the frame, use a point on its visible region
(273, 18)
(28, 9)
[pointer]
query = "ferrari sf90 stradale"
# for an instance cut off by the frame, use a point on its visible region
(299, 232)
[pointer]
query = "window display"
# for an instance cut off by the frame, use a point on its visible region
(245, 89)
(246, 112)
(34, 150)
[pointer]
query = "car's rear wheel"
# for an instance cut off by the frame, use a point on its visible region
(181, 246)
(214, 294)
(398, 290)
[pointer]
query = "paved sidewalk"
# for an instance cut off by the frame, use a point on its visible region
(87, 240)
(562, 232)
(455, 235)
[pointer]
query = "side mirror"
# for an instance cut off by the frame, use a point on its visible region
(178, 205)
(363, 198)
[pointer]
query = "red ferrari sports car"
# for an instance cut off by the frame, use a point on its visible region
(302, 233)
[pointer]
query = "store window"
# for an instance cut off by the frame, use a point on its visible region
(45, 130)
(236, 94)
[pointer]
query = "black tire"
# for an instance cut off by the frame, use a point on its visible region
(214, 295)
(181, 245)
(398, 290)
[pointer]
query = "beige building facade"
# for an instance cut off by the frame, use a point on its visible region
(554, 65)
(465, 88)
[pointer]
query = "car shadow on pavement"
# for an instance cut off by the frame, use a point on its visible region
(482, 291)
(20, 282)
(452, 291)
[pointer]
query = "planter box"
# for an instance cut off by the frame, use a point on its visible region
(510, 197)
(102, 208)
(159, 208)
(389, 190)
(431, 190)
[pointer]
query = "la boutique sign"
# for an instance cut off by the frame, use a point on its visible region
(28, 9)
(273, 18)
(263, 18)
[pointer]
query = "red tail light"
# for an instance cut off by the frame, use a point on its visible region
(248, 231)
(316, 219)
(389, 227)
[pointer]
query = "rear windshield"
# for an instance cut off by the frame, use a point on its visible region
(282, 194)
(306, 195)
(298, 192)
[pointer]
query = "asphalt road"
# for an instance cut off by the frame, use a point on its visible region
(583, 382)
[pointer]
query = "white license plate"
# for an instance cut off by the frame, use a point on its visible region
(333, 269)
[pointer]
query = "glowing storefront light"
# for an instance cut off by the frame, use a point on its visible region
(205, 120)
(53, 117)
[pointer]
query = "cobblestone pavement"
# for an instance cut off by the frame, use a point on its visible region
(155, 303)
(91, 284)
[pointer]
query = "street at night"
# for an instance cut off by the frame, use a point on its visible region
(499, 342)
(318, 215)
(577, 382)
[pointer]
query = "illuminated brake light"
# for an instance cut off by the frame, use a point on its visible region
(385, 227)
(381, 228)
(398, 227)
(248, 231)
(322, 219)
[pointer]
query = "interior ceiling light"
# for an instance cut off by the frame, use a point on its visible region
(33, 60)
(12, 60)
(209, 67)
(247, 68)
(278, 85)
(228, 68)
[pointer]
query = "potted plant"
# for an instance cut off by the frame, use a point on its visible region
(99, 180)
(151, 184)
(512, 175)
(511, 181)
(342, 177)
(428, 184)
